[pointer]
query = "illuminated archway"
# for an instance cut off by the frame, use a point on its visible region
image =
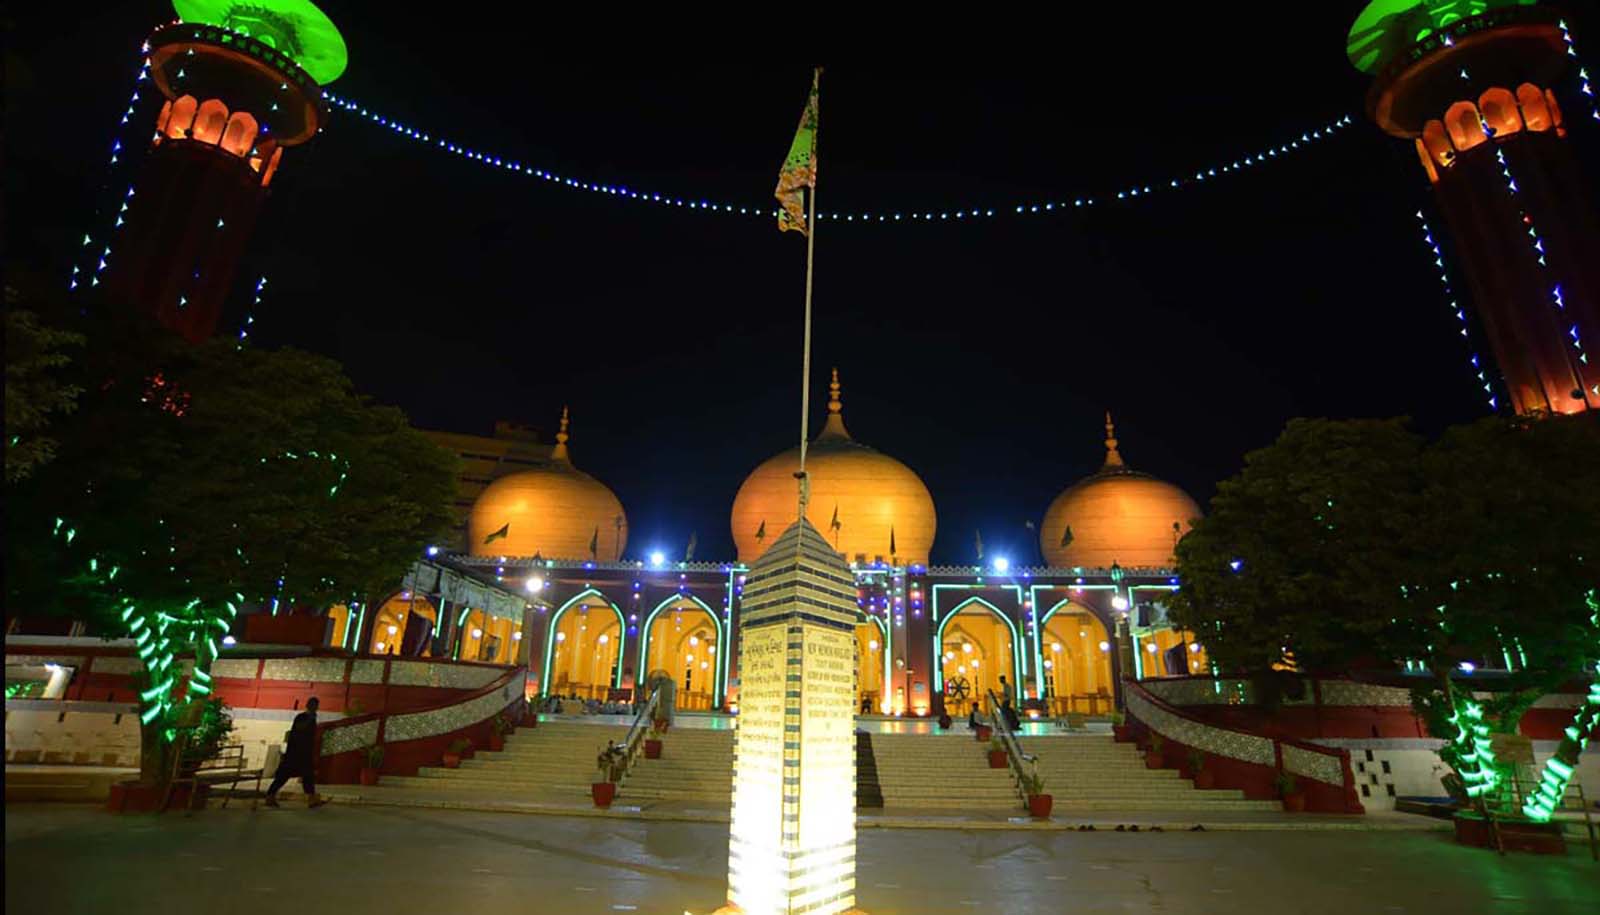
(684, 637)
(975, 644)
(1077, 653)
(488, 639)
(391, 618)
(555, 638)
(1160, 659)
(585, 655)
(873, 651)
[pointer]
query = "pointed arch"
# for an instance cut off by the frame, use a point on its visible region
(553, 626)
(1016, 641)
(719, 681)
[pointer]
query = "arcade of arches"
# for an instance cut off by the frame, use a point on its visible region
(407, 626)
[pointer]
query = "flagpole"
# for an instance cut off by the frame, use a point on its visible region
(805, 357)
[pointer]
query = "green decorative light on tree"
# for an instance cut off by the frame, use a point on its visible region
(1557, 773)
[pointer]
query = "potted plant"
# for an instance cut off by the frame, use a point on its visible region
(467, 748)
(1154, 755)
(1039, 803)
(453, 753)
(660, 725)
(652, 744)
(372, 765)
(611, 762)
(498, 729)
(1203, 777)
(1289, 789)
(997, 754)
(1119, 727)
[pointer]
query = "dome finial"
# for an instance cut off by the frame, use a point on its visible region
(559, 453)
(834, 427)
(1113, 459)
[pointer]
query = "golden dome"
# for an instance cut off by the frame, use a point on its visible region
(555, 512)
(882, 507)
(1117, 515)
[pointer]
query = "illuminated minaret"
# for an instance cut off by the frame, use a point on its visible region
(1469, 82)
(243, 82)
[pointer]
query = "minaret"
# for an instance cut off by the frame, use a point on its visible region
(833, 426)
(1113, 458)
(559, 452)
(243, 82)
(1473, 93)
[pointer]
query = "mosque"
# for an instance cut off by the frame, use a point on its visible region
(594, 622)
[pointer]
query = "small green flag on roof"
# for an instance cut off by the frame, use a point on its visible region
(799, 167)
(500, 534)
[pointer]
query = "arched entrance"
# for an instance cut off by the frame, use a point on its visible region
(1172, 653)
(404, 622)
(977, 645)
(682, 637)
(583, 651)
(1077, 661)
(488, 639)
(872, 651)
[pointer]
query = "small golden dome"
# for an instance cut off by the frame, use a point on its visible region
(555, 512)
(881, 505)
(1117, 515)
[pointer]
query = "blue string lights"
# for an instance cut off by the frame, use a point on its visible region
(1460, 313)
(1131, 193)
(117, 157)
(250, 318)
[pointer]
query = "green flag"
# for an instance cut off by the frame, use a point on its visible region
(594, 544)
(688, 554)
(799, 167)
(834, 524)
(500, 534)
(761, 532)
(1066, 536)
(892, 550)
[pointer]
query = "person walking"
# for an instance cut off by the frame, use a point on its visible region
(298, 759)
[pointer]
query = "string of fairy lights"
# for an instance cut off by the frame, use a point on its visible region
(1583, 75)
(1458, 309)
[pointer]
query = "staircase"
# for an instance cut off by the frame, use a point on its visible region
(553, 760)
(1097, 773)
(696, 764)
(940, 771)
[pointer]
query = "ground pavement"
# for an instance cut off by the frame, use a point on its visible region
(366, 860)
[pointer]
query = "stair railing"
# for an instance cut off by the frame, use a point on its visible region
(1023, 765)
(633, 741)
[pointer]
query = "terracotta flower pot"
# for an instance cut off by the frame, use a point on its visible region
(369, 777)
(652, 749)
(662, 724)
(1152, 759)
(984, 733)
(1205, 778)
(1121, 733)
(1039, 805)
(452, 760)
(603, 793)
(467, 753)
(497, 742)
(997, 759)
(1294, 803)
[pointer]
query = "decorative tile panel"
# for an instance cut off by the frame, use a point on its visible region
(308, 670)
(1311, 764)
(1350, 692)
(366, 671)
(416, 725)
(235, 668)
(354, 737)
(1200, 691)
(450, 676)
(118, 665)
(1231, 744)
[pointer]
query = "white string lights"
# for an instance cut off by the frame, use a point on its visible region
(1583, 75)
(1460, 313)
(1130, 193)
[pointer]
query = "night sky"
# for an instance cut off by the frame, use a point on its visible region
(981, 353)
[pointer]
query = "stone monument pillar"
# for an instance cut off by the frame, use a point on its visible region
(792, 843)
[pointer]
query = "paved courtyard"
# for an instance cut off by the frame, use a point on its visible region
(359, 860)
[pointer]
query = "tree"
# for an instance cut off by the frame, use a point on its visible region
(1351, 544)
(195, 480)
(35, 393)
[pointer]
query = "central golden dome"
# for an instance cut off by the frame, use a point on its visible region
(1116, 516)
(881, 505)
(555, 512)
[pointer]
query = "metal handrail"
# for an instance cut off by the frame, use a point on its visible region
(1014, 753)
(634, 739)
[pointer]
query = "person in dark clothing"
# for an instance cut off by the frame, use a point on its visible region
(1012, 721)
(297, 758)
(1005, 688)
(974, 719)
